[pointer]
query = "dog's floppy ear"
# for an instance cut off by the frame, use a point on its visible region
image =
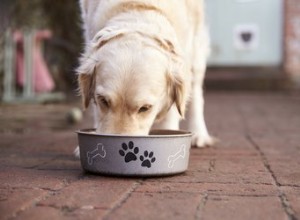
(86, 80)
(177, 86)
(175, 74)
(86, 71)
(87, 87)
(177, 92)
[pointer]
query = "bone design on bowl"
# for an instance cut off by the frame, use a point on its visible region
(163, 152)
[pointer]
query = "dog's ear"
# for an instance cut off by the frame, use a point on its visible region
(177, 91)
(86, 84)
(86, 71)
(175, 74)
(176, 71)
(86, 87)
(86, 79)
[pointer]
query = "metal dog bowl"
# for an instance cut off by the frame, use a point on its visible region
(163, 152)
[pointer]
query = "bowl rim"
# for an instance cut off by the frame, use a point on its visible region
(155, 133)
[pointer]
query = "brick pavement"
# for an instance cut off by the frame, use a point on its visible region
(252, 173)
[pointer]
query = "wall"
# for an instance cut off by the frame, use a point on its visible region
(245, 32)
(292, 40)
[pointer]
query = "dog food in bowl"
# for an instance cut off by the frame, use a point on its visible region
(163, 152)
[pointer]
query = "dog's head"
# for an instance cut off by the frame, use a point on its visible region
(132, 79)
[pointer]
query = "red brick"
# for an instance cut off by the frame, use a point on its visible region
(50, 213)
(294, 201)
(239, 165)
(63, 163)
(27, 151)
(158, 206)
(218, 177)
(278, 152)
(293, 197)
(225, 149)
(23, 160)
(52, 143)
(93, 191)
(13, 201)
(36, 213)
(287, 172)
(209, 188)
(30, 178)
(246, 208)
(279, 146)
(199, 164)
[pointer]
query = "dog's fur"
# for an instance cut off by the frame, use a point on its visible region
(143, 61)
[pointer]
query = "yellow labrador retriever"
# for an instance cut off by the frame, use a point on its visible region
(144, 61)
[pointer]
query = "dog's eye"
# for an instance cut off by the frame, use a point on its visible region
(145, 108)
(103, 101)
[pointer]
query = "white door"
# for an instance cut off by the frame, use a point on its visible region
(245, 32)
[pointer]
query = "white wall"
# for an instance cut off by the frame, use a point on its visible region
(259, 22)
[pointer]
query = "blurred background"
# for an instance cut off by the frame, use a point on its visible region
(41, 39)
(255, 45)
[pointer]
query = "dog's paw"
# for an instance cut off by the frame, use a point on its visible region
(76, 152)
(199, 140)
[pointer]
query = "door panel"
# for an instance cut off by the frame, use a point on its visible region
(245, 32)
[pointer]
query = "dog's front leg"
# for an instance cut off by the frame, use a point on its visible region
(195, 117)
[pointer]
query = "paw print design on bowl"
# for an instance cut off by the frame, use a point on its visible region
(129, 152)
(147, 159)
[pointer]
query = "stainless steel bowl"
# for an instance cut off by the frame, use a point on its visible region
(163, 152)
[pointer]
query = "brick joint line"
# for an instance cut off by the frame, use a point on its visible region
(123, 199)
(31, 204)
(35, 201)
(201, 206)
(284, 201)
(212, 165)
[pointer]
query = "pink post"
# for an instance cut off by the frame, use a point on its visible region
(41, 77)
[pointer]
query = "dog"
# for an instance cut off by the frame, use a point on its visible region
(144, 62)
